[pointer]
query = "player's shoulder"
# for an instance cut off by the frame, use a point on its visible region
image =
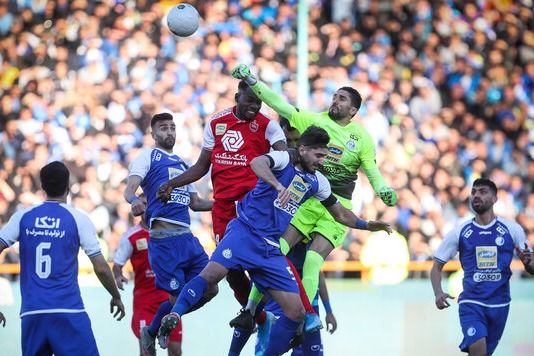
(511, 224)
(221, 115)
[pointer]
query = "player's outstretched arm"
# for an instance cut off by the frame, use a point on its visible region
(435, 279)
(346, 217)
(266, 94)
(194, 173)
(262, 168)
(103, 272)
(330, 319)
(199, 204)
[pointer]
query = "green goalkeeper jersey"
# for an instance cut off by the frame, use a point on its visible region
(350, 147)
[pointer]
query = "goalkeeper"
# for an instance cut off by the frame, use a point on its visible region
(350, 148)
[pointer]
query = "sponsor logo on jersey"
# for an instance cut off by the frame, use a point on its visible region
(290, 208)
(334, 154)
(487, 277)
(227, 253)
(254, 126)
(141, 244)
(486, 257)
(191, 292)
(220, 129)
(231, 159)
(232, 141)
(354, 137)
(330, 170)
(297, 189)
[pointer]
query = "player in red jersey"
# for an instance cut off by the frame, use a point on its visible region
(147, 298)
(232, 138)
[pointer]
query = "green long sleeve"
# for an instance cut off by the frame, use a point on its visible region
(273, 100)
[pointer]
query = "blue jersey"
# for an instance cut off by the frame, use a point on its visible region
(485, 255)
(260, 207)
(50, 236)
(155, 167)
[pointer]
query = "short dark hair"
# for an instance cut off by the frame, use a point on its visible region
(54, 178)
(284, 123)
(314, 137)
(242, 85)
(486, 183)
(355, 96)
(164, 116)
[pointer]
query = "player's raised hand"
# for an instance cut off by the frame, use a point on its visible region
(388, 196)
(441, 300)
(377, 225)
(164, 192)
(242, 71)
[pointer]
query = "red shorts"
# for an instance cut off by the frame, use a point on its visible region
(222, 212)
(143, 315)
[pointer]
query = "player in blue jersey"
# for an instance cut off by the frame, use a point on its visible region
(252, 239)
(50, 234)
(486, 245)
(176, 256)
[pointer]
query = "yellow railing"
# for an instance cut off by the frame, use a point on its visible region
(328, 266)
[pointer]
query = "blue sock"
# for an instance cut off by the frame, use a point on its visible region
(312, 345)
(239, 340)
(191, 295)
(281, 334)
(164, 309)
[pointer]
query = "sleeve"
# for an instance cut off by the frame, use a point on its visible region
(448, 247)
(274, 133)
(273, 100)
(11, 231)
(280, 159)
(369, 165)
(87, 233)
(324, 191)
(519, 236)
(141, 164)
(209, 139)
(124, 251)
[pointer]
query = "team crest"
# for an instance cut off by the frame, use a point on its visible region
(227, 253)
(351, 145)
(499, 241)
(174, 284)
(471, 331)
(220, 129)
(254, 126)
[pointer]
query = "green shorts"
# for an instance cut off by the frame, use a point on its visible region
(312, 217)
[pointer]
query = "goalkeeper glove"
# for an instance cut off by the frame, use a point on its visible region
(242, 71)
(388, 196)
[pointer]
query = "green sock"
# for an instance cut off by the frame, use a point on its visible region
(284, 246)
(254, 298)
(310, 273)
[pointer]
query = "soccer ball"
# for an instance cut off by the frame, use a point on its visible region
(183, 20)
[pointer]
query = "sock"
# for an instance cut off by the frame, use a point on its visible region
(303, 297)
(281, 334)
(239, 340)
(164, 309)
(284, 246)
(191, 295)
(312, 345)
(240, 284)
(310, 273)
(254, 298)
(259, 314)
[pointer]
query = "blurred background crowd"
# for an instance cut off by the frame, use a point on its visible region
(448, 90)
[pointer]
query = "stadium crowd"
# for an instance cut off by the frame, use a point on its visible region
(448, 90)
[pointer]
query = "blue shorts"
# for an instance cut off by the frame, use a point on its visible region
(176, 260)
(266, 265)
(478, 321)
(58, 334)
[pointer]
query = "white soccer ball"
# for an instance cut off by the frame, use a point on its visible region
(183, 20)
